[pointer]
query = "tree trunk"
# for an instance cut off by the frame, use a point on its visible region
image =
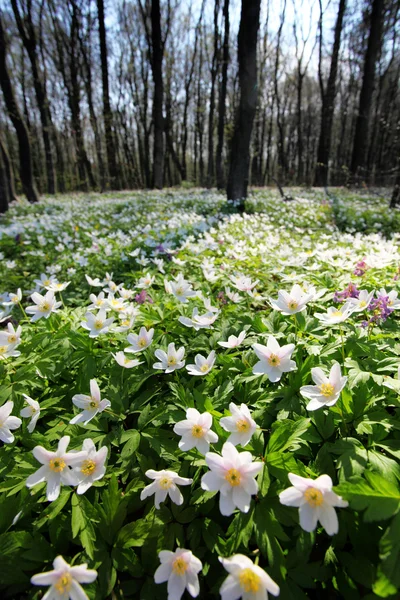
(9, 173)
(158, 118)
(367, 89)
(222, 99)
(247, 58)
(328, 106)
(395, 200)
(214, 72)
(107, 114)
(28, 35)
(25, 152)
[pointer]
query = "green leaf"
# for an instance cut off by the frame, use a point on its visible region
(378, 497)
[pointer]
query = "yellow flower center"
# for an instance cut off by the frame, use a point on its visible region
(57, 465)
(172, 361)
(44, 307)
(125, 323)
(337, 313)
(88, 467)
(327, 389)
(197, 431)
(293, 304)
(390, 303)
(12, 338)
(46, 282)
(15, 299)
(274, 360)
(242, 425)
(204, 368)
(3, 349)
(313, 496)
(64, 583)
(93, 404)
(179, 566)
(142, 342)
(249, 581)
(363, 303)
(98, 324)
(233, 477)
(165, 482)
(179, 291)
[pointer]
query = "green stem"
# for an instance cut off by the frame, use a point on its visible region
(341, 337)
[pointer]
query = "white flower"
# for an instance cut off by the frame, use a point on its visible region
(126, 362)
(208, 306)
(92, 405)
(145, 282)
(140, 341)
(292, 303)
(180, 288)
(58, 287)
(45, 305)
(97, 324)
(231, 474)
(233, 296)
(334, 315)
(199, 321)
(393, 302)
(11, 336)
(125, 324)
(202, 365)
(327, 390)
(65, 580)
(242, 283)
(240, 424)
(31, 411)
(165, 484)
(196, 431)
(94, 282)
(7, 351)
(246, 580)
(55, 468)
(45, 280)
(92, 468)
(315, 500)
(180, 569)
(362, 302)
(233, 341)
(274, 359)
(7, 422)
(170, 360)
(117, 304)
(14, 298)
(98, 302)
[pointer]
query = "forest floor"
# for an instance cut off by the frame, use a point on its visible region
(173, 341)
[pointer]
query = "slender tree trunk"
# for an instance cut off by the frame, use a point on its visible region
(29, 39)
(4, 187)
(158, 118)
(9, 173)
(222, 99)
(247, 57)
(107, 114)
(214, 72)
(25, 152)
(367, 89)
(395, 200)
(328, 106)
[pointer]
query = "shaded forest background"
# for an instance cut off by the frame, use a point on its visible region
(137, 94)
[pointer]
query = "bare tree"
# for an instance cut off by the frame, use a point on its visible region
(25, 151)
(247, 57)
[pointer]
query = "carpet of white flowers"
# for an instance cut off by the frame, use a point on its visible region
(199, 403)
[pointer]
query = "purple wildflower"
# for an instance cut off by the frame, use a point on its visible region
(221, 298)
(143, 297)
(360, 268)
(380, 310)
(350, 291)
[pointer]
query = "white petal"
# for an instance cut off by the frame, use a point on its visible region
(308, 517)
(328, 519)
